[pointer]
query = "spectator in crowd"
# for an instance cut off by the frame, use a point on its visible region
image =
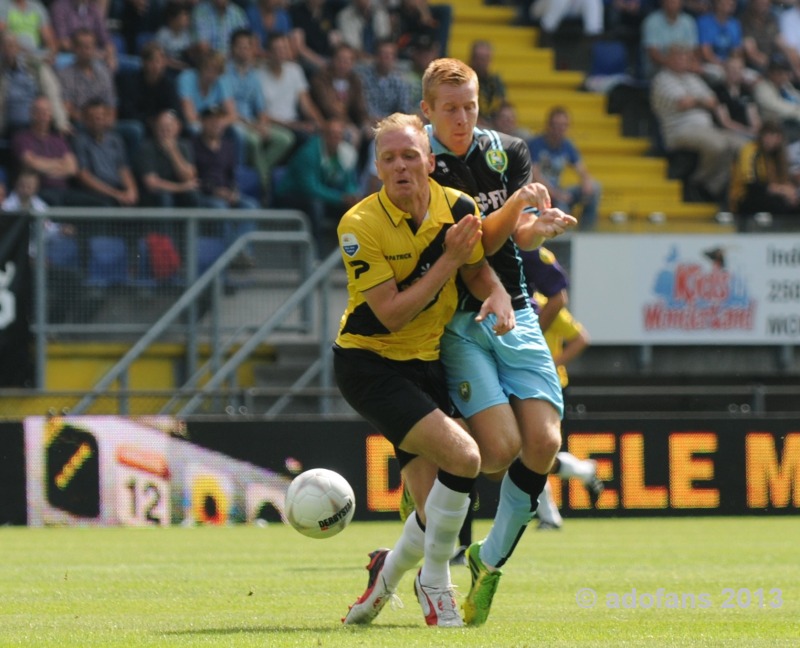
(286, 90)
(87, 78)
(623, 18)
(216, 163)
(505, 121)
(322, 182)
(261, 142)
(175, 35)
(793, 153)
(143, 95)
(422, 51)
(267, 17)
(551, 153)
(664, 28)
(103, 166)
(204, 87)
(684, 106)
(165, 166)
(761, 180)
(550, 14)
(720, 37)
(137, 17)
(736, 110)
(29, 21)
(213, 22)
(363, 24)
(69, 16)
(777, 99)
(22, 79)
(412, 19)
(697, 8)
(385, 88)
(313, 35)
(215, 160)
(47, 153)
(25, 196)
(339, 93)
(492, 90)
(761, 35)
(789, 23)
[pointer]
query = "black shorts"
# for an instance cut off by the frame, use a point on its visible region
(392, 395)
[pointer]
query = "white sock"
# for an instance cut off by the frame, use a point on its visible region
(571, 466)
(547, 511)
(407, 552)
(445, 511)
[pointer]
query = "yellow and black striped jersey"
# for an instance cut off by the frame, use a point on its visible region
(378, 243)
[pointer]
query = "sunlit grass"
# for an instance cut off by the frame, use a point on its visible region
(248, 586)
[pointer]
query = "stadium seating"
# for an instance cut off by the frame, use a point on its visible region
(108, 262)
(209, 249)
(248, 181)
(633, 181)
(609, 57)
(62, 252)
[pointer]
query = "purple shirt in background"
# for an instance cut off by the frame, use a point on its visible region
(67, 16)
(543, 273)
(51, 146)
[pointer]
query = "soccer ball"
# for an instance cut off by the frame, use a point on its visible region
(320, 503)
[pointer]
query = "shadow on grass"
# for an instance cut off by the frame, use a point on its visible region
(385, 627)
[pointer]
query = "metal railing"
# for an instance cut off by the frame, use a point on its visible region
(218, 372)
(132, 289)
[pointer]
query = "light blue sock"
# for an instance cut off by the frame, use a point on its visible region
(512, 517)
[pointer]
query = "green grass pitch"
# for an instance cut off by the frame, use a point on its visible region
(693, 581)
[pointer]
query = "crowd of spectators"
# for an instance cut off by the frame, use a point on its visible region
(719, 75)
(123, 103)
(719, 80)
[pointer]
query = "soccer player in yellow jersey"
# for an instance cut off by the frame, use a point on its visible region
(567, 339)
(402, 248)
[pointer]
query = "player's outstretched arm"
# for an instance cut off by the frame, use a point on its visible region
(395, 308)
(533, 230)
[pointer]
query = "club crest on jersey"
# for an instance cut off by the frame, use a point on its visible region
(497, 160)
(465, 391)
(349, 244)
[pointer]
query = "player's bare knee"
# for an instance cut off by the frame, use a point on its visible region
(499, 456)
(551, 444)
(472, 462)
(461, 458)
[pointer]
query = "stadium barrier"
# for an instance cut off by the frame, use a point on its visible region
(109, 274)
(162, 470)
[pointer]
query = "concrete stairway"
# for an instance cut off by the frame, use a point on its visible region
(633, 183)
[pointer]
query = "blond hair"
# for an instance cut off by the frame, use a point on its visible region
(445, 71)
(401, 121)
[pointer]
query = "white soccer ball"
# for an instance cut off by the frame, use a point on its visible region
(320, 503)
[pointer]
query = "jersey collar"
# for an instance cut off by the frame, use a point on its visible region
(438, 148)
(396, 214)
